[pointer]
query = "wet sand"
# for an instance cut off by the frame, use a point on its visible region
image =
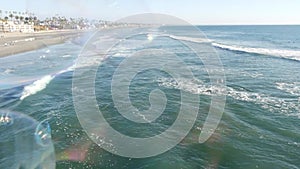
(14, 43)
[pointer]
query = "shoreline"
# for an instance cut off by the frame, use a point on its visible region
(15, 43)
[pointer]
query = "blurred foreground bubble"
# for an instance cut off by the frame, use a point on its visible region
(43, 134)
(24, 142)
(5, 119)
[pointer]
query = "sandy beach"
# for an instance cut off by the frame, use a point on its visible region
(14, 43)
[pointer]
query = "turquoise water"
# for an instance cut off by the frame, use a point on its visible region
(260, 124)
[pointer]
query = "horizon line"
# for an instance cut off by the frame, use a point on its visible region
(298, 24)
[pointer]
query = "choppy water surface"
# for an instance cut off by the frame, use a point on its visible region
(260, 125)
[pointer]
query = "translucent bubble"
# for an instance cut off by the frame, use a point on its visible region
(24, 142)
(5, 119)
(43, 133)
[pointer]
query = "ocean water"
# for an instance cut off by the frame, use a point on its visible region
(260, 123)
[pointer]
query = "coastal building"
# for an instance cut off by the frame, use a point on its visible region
(11, 26)
(13, 21)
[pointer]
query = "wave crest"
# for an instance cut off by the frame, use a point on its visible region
(283, 53)
(190, 39)
(36, 86)
(274, 104)
(288, 54)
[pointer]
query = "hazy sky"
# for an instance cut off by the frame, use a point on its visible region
(194, 11)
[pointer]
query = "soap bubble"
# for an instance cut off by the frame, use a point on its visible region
(24, 142)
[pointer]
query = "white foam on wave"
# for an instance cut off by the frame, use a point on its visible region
(42, 56)
(24, 40)
(9, 71)
(289, 54)
(89, 59)
(126, 51)
(189, 39)
(69, 69)
(36, 86)
(66, 56)
(274, 104)
(121, 52)
(42, 83)
(284, 53)
(292, 88)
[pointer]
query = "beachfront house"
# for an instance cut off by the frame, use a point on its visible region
(11, 26)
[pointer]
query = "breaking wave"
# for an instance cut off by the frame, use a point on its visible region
(41, 83)
(292, 88)
(36, 86)
(274, 104)
(288, 54)
(190, 39)
(283, 53)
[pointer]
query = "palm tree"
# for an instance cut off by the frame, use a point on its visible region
(26, 19)
(17, 17)
(21, 18)
(30, 19)
(35, 20)
(11, 16)
(6, 18)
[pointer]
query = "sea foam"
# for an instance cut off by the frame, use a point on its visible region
(288, 54)
(273, 104)
(292, 88)
(283, 53)
(190, 39)
(42, 83)
(36, 86)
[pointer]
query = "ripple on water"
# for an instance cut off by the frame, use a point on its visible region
(288, 107)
